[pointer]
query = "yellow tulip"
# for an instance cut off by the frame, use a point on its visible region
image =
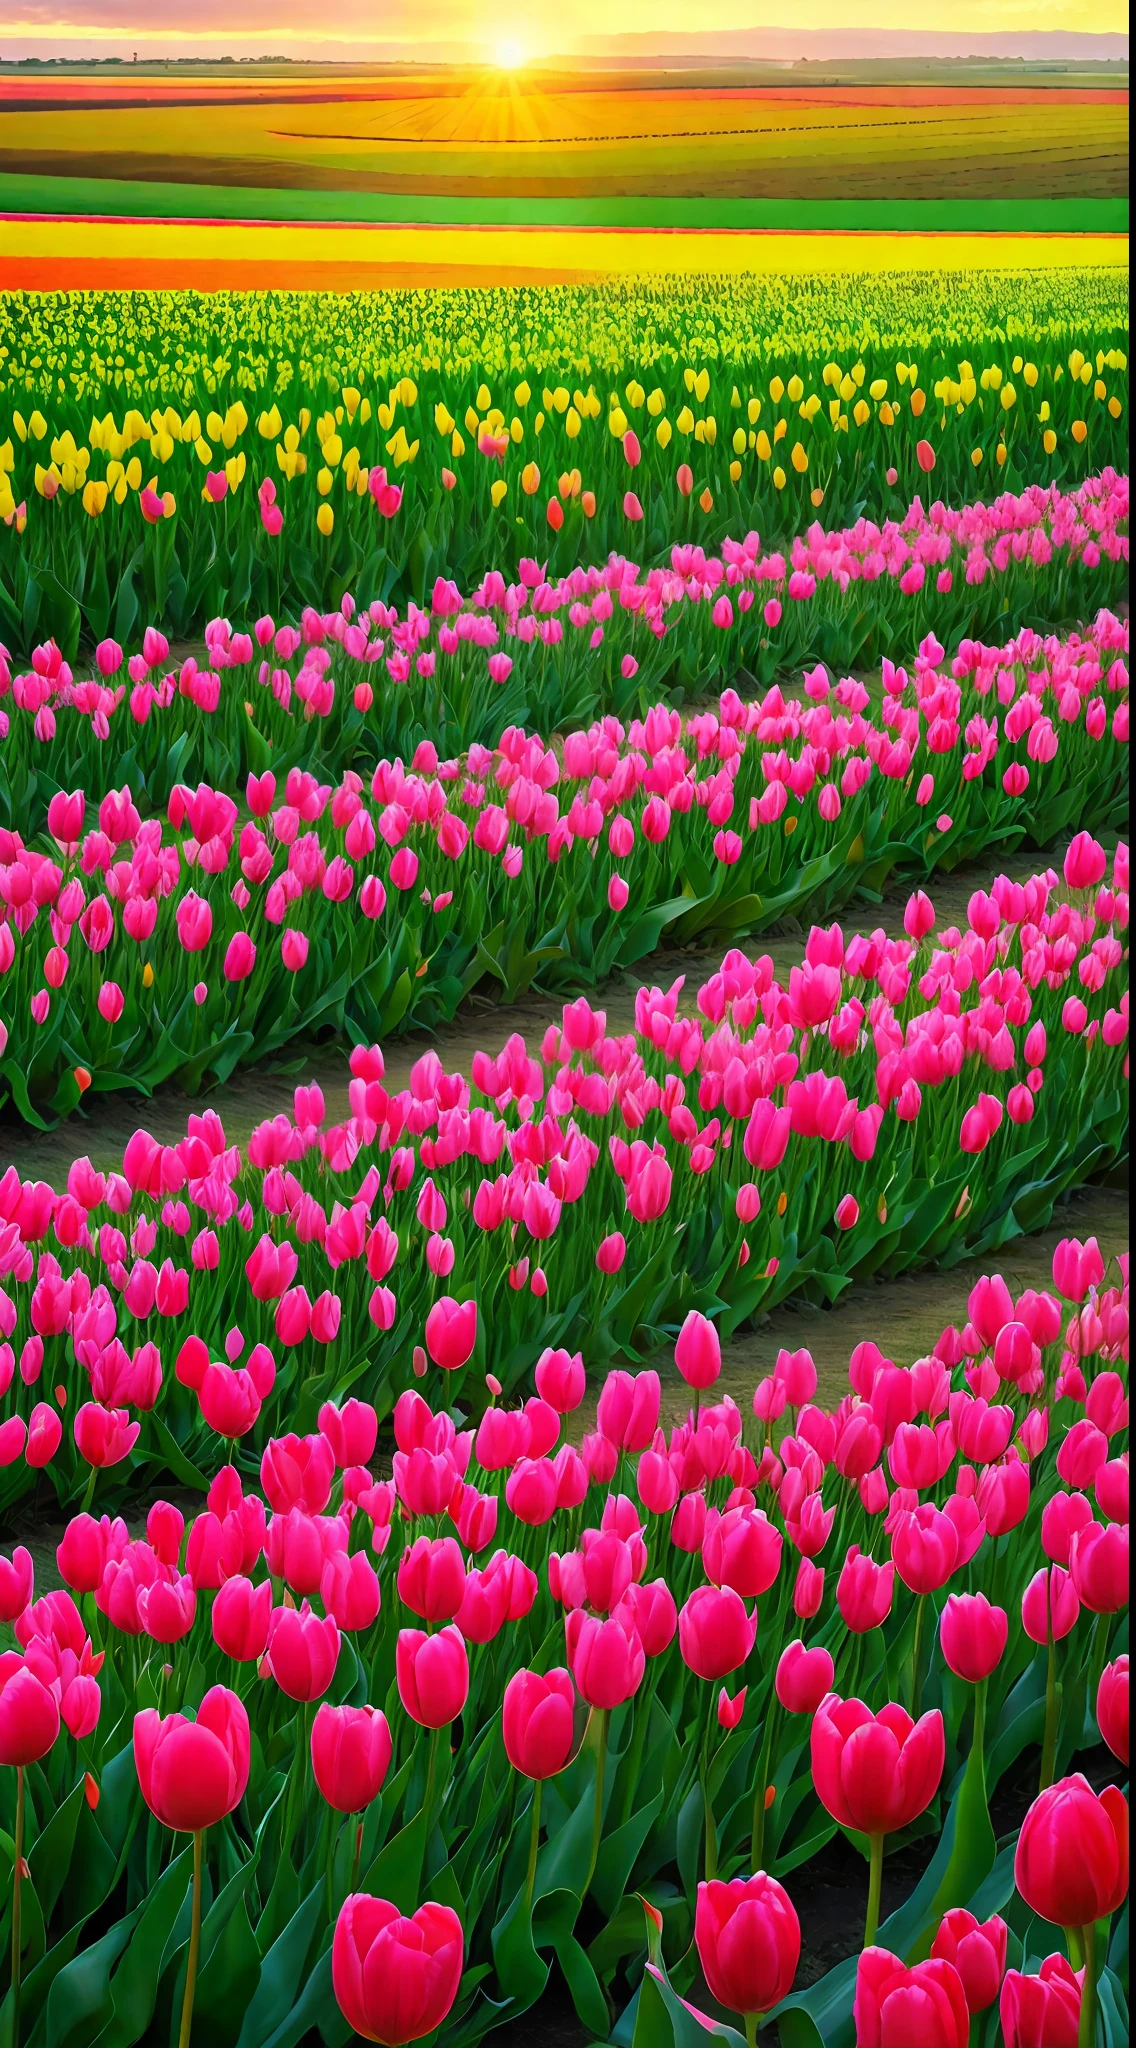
(795, 389)
(778, 479)
(443, 420)
(269, 424)
(739, 441)
(663, 433)
(37, 426)
(702, 386)
(498, 489)
(350, 400)
(706, 500)
(94, 498)
(656, 403)
(735, 472)
(522, 394)
(324, 482)
(1079, 431)
(776, 390)
(530, 479)
(877, 389)
(753, 411)
(799, 458)
(1049, 441)
(764, 449)
(483, 400)
(325, 519)
(572, 423)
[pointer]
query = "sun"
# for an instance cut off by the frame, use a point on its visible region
(508, 53)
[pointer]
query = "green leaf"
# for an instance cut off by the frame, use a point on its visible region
(280, 1973)
(135, 1985)
(396, 1873)
(79, 2003)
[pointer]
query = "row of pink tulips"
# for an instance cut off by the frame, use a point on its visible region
(896, 1101)
(383, 908)
(346, 686)
(952, 1538)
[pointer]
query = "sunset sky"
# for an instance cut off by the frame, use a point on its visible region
(489, 28)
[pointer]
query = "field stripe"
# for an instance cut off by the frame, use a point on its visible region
(25, 193)
(53, 253)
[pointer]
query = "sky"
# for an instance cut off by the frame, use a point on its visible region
(464, 29)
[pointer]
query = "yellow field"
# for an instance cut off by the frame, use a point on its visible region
(511, 136)
(79, 254)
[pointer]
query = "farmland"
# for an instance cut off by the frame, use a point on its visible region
(486, 135)
(564, 1056)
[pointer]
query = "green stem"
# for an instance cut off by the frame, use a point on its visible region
(711, 1829)
(1087, 2030)
(431, 1776)
(88, 1497)
(757, 1837)
(875, 1885)
(17, 1945)
(331, 1836)
(916, 1679)
(597, 1820)
(751, 2021)
(355, 1858)
(194, 1942)
(1052, 1715)
(534, 1844)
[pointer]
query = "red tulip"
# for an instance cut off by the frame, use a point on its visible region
(193, 1773)
(1071, 1862)
(17, 1579)
(433, 1675)
(431, 1578)
(698, 1354)
(1050, 1599)
(29, 1711)
(742, 1549)
(352, 1431)
(1042, 2011)
(104, 1436)
(240, 1619)
(864, 1591)
(1112, 1706)
(303, 1651)
(652, 1611)
(803, 1677)
(875, 1772)
(715, 1634)
(451, 1332)
(351, 1753)
(978, 1951)
(973, 1635)
(627, 1413)
(395, 1978)
(606, 1658)
(1098, 1564)
(924, 1545)
(349, 1589)
(924, 2007)
(537, 1722)
(748, 1939)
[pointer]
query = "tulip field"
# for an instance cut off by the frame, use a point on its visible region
(409, 1631)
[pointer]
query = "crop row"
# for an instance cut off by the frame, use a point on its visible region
(416, 1740)
(134, 950)
(349, 685)
(897, 1102)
